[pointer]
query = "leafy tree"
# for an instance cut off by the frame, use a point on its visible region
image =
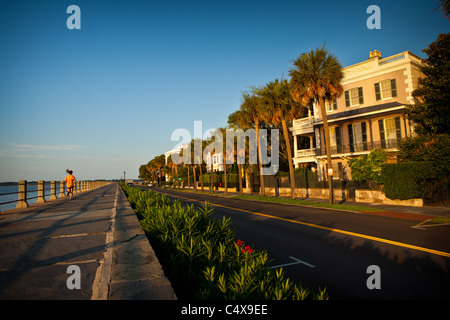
(317, 77)
(144, 174)
(433, 149)
(431, 111)
(368, 166)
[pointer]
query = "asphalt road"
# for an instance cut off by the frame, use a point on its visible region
(334, 249)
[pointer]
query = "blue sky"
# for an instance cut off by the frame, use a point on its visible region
(105, 99)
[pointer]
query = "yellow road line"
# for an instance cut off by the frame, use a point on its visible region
(354, 234)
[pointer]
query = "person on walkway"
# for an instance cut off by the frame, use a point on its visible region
(70, 181)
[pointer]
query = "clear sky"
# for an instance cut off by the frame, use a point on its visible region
(105, 99)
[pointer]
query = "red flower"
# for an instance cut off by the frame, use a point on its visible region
(247, 249)
(239, 243)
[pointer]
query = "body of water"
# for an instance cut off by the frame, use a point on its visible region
(31, 193)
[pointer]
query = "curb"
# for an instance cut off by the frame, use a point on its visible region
(136, 273)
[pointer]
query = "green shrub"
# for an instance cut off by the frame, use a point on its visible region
(368, 166)
(403, 180)
(201, 257)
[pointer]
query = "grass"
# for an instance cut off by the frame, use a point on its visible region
(292, 201)
(441, 219)
(309, 203)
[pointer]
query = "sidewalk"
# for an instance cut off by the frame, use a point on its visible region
(98, 232)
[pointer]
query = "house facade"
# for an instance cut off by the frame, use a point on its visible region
(370, 114)
(217, 160)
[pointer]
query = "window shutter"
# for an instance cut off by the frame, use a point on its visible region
(398, 128)
(337, 130)
(347, 99)
(382, 135)
(377, 91)
(364, 135)
(350, 137)
(394, 88)
(334, 104)
(360, 93)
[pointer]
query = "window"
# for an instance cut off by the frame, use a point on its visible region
(357, 133)
(390, 132)
(335, 140)
(386, 89)
(304, 142)
(331, 105)
(354, 97)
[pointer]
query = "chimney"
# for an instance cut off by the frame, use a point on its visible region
(374, 54)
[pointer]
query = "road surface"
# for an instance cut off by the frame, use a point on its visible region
(336, 249)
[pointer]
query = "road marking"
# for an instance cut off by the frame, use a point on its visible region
(53, 237)
(422, 225)
(350, 233)
(297, 261)
(417, 226)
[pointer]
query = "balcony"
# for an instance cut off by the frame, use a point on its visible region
(359, 147)
(303, 125)
(305, 153)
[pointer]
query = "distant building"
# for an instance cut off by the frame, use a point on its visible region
(370, 114)
(169, 153)
(217, 160)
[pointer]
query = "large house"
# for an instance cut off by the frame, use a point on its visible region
(371, 113)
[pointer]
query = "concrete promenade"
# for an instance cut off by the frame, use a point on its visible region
(94, 238)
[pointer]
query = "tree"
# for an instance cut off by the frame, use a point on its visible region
(445, 8)
(251, 114)
(223, 133)
(368, 166)
(432, 149)
(171, 166)
(279, 108)
(316, 78)
(431, 111)
(234, 122)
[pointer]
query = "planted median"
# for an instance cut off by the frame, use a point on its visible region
(202, 258)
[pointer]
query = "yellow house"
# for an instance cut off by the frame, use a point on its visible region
(370, 114)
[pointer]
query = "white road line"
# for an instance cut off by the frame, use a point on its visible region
(423, 226)
(297, 261)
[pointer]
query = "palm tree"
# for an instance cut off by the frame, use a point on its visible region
(194, 162)
(210, 149)
(223, 134)
(234, 122)
(280, 108)
(445, 8)
(252, 114)
(317, 77)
